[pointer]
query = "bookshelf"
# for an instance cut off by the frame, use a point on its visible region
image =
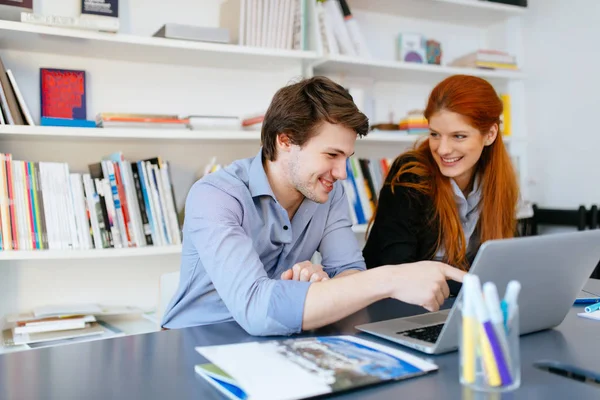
(148, 251)
(459, 12)
(136, 48)
(134, 72)
(385, 70)
(33, 133)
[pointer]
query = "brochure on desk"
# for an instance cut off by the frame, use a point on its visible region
(300, 368)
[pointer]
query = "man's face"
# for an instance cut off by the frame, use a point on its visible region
(321, 161)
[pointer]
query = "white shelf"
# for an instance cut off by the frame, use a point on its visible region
(49, 39)
(95, 253)
(41, 132)
(383, 70)
(463, 12)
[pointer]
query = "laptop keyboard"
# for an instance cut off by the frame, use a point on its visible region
(427, 334)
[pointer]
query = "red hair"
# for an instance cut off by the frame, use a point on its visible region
(477, 101)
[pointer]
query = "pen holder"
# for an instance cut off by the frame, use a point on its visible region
(489, 358)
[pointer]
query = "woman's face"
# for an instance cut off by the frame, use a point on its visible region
(456, 146)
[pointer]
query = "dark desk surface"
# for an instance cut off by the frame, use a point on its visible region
(161, 365)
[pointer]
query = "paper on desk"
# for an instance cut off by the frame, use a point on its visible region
(592, 315)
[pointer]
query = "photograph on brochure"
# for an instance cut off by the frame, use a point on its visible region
(305, 367)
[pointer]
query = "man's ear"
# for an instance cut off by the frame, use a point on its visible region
(283, 142)
(491, 136)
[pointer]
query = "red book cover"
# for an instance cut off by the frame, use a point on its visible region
(62, 93)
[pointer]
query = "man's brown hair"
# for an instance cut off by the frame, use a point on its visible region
(300, 108)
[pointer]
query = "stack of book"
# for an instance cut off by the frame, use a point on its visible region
(487, 59)
(95, 15)
(52, 325)
(414, 123)
(123, 120)
(117, 204)
(277, 24)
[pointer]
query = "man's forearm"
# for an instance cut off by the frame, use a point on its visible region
(331, 300)
(347, 273)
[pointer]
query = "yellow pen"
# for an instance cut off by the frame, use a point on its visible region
(491, 367)
(469, 326)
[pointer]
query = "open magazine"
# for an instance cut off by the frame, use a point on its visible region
(298, 368)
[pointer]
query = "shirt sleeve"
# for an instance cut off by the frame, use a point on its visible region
(339, 248)
(262, 306)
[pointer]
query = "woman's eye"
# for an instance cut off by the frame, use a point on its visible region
(460, 136)
(433, 134)
(331, 155)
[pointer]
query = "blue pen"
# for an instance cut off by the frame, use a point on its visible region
(593, 308)
(587, 300)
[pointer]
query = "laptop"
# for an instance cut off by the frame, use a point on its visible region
(552, 270)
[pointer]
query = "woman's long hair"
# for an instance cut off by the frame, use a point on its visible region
(475, 99)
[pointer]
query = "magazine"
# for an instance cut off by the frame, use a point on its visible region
(299, 368)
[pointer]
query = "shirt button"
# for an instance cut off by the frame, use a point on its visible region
(285, 227)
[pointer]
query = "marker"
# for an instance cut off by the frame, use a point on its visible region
(468, 332)
(592, 308)
(486, 334)
(493, 305)
(510, 297)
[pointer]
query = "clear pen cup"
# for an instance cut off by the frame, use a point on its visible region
(489, 358)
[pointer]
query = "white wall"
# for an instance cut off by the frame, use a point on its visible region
(562, 89)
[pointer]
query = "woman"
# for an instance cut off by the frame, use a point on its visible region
(455, 190)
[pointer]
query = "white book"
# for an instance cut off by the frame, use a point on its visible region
(50, 326)
(265, 23)
(91, 198)
(79, 205)
(66, 202)
(20, 98)
(325, 31)
(333, 9)
(170, 201)
(5, 109)
(289, 24)
(107, 24)
(158, 202)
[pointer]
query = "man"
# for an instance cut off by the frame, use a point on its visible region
(251, 228)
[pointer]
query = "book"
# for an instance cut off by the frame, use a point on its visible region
(103, 8)
(305, 367)
(62, 93)
(194, 33)
(11, 9)
(102, 24)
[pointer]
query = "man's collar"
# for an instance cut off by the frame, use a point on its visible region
(257, 178)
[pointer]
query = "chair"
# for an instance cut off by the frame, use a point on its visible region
(557, 217)
(581, 219)
(167, 287)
